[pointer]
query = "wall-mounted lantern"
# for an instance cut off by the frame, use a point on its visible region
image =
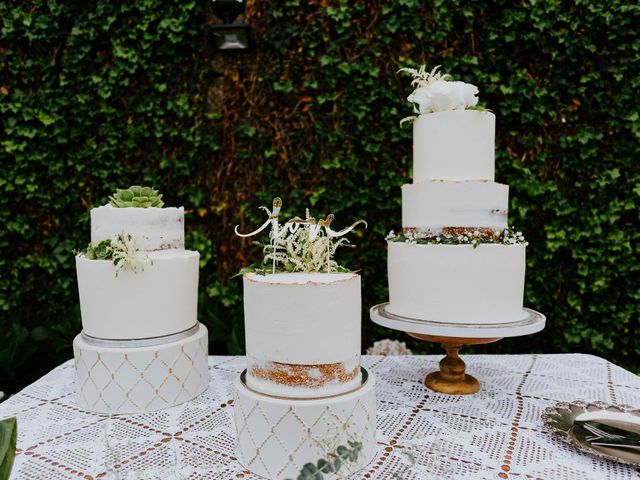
(232, 36)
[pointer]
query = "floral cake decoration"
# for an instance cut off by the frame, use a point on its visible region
(121, 249)
(435, 91)
(299, 244)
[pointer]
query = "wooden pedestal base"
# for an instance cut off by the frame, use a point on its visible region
(452, 378)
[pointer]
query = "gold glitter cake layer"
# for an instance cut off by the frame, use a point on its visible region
(305, 376)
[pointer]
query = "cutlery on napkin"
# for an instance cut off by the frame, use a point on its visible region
(619, 430)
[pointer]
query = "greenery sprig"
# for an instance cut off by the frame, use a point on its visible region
(299, 251)
(299, 245)
(450, 95)
(136, 196)
(423, 78)
(508, 236)
(121, 250)
(332, 464)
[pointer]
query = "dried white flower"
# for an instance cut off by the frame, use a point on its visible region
(126, 255)
(303, 251)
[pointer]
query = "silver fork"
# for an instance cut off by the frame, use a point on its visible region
(602, 438)
(599, 433)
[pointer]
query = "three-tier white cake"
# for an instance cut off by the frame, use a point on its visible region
(304, 401)
(141, 346)
(455, 261)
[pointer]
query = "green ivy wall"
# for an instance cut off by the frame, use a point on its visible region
(96, 95)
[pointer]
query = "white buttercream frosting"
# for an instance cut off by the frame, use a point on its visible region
(457, 283)
(152, 228)
(160, 300)
(302, 318)
(455, 145)
(300, 278)
(432, 205)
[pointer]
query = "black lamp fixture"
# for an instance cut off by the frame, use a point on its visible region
(231, 36)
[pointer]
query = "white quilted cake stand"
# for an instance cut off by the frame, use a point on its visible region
(139, 376)
(452, 377)
(278, 437)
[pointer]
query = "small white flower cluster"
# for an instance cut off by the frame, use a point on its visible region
(390, 235)
(508, 236)
(511, 237)
(411, 238)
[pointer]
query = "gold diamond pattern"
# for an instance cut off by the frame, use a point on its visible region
(129, 380)
(278, 443)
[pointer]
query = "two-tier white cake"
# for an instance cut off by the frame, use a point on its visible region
(456, 261)
(304, 400)
(141, 346)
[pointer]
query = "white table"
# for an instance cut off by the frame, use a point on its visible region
(496, 433)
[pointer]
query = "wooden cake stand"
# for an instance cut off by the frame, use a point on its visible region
(452, 378)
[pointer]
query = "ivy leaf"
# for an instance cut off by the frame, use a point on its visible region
(45, 118)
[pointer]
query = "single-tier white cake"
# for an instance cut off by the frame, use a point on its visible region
(141, 347)
(302, 333)
(304, 398)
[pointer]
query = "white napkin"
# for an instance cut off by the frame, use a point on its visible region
(627, 421)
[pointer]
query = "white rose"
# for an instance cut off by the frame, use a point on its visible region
(442, 96)
(422, 97)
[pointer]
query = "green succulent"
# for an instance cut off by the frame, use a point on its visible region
(136, 196)
(99, 251)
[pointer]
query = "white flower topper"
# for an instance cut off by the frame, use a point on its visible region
(443, 95)
(293, 224)
(435, 92)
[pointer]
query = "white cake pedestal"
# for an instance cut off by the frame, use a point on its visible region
(326, 437)
(452, 378)
(139, 376)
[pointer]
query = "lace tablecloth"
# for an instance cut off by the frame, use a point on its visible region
(495, 434)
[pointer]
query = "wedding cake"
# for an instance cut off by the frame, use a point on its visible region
(141, 346)
(456, 260)
(304, 405)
